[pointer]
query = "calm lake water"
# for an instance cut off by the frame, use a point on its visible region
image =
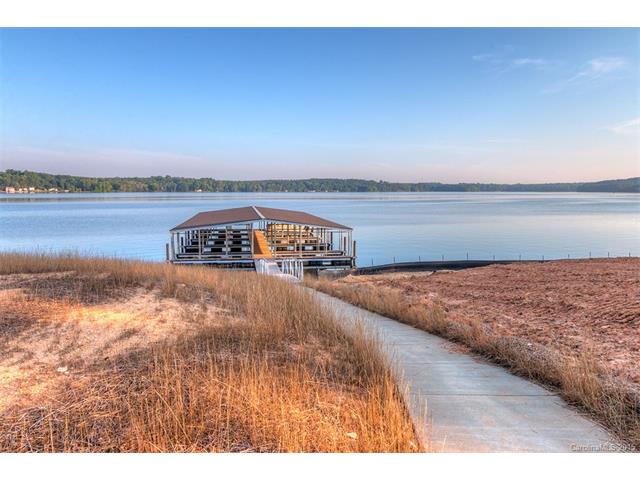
(406, 226)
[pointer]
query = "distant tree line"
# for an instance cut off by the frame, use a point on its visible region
(46, 181)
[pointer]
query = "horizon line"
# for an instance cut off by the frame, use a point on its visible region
(323, 178)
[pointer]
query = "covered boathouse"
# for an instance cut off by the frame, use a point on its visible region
(241, 238)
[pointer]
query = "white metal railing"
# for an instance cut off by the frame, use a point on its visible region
(267, 267)
(293, 267)
(289, 267)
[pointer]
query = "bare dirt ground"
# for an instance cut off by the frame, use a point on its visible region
(45, 339)
(571, 306)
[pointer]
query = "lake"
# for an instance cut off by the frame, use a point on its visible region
(404, 226)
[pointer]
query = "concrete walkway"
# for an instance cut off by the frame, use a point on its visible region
(471, 405)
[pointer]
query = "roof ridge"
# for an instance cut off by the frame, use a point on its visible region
(258, 212)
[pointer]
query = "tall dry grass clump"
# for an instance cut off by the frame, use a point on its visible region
(580, 380)
(274, 373)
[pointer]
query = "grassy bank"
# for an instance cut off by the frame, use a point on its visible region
(580, 379)
(250, 364)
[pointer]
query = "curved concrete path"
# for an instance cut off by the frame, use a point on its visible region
(471, 405)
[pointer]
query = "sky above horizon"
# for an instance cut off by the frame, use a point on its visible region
(449, 105)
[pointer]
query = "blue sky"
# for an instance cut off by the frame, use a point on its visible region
(503, 105)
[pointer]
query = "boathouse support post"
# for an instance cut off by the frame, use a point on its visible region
(251, 239)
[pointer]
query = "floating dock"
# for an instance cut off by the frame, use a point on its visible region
(431, 265)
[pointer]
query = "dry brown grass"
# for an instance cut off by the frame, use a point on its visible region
(255, 364)
(581, 380)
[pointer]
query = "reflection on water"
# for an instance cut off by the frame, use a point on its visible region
(406, 226)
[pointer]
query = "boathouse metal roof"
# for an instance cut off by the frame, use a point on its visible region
(254, 214)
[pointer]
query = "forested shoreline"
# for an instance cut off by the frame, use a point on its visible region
(17, 179)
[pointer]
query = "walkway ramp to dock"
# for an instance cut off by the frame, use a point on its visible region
(290, 272)
(260, 245)
(471, 405)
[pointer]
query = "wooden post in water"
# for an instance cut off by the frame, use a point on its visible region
(354, 248)
(166, 250)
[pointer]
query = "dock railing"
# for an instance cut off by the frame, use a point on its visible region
(392, 263)
(293, 267)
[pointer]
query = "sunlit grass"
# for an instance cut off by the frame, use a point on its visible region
(275, 372)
